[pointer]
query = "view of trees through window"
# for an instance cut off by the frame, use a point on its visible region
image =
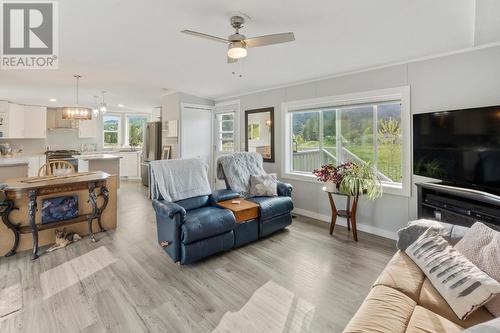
(136, 130)
(111, 126)
(368, 133)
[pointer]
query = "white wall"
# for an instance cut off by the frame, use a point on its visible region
(462, 80)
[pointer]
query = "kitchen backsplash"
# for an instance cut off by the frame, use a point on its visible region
(56, 139)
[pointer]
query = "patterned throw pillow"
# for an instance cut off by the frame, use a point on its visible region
(464, 286)
(263, 186)
(481, 245)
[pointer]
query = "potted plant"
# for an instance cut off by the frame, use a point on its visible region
(361, 179)
(331, 175)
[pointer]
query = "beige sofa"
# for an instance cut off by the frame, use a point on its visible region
(403, 300)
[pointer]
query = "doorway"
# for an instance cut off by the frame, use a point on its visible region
(226, 135)
(196, 134)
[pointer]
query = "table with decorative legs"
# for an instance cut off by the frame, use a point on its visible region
(35, 187)
(349, 213)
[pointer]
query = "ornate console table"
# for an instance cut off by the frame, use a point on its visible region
(31, 188)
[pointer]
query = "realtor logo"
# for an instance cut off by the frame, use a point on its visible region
(29, 38)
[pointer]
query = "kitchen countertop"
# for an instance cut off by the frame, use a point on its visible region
(96, 157)
(13, 161)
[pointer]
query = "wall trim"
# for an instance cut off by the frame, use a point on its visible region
(359, 71)
(341, 221)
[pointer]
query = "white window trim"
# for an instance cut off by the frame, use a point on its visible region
(373, 96)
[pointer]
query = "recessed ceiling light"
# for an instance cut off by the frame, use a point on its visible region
(120, 105)
(52, 100)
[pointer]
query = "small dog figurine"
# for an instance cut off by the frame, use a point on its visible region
(63, 239)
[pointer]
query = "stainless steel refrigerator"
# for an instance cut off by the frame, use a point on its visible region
(151, 149)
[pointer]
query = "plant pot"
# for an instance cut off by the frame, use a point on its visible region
(331, 186)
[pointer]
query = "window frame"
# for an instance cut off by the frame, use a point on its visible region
(353, 99)
(118, 131)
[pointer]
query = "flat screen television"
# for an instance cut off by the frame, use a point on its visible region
(460, 147)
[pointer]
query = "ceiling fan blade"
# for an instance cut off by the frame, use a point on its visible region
(270, 39)
(202, 35)
(231, 60)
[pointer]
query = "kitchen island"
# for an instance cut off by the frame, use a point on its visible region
(13, 167)
(96, 194)
(108, 163)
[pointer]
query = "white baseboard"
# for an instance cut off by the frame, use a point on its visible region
(342, 221)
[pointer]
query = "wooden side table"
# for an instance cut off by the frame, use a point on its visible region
(244, 211)
(349, 213)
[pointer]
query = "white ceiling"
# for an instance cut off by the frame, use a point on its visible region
(133, 48)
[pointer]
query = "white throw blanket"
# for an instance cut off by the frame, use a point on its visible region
(237, 168)
(180, 179)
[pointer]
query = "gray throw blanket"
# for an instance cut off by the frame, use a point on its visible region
(237, 168)
(180, 179)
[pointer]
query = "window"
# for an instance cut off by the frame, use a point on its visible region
(111, 126)
(225, 130)
(369, 128)
(135, 130)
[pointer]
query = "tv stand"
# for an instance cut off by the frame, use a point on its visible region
(457, 205)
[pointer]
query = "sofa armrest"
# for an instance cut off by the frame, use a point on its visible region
(284, 189)
(169, 209)
(223, 195)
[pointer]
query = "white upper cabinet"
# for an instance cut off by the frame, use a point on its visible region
(21, 121)
(87, 128)
(35, 122)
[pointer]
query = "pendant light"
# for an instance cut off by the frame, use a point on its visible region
(76, 112)
(103, 108)
(95, 108)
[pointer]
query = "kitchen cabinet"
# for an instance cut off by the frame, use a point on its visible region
(35, 118)
(129, 164)
(22, 121)
(87, 128)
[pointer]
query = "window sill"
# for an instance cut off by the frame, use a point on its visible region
(388, 188)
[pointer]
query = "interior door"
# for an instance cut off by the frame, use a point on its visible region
(196, 133)
(225, 137)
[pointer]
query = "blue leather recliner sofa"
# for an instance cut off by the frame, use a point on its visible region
(195, 228)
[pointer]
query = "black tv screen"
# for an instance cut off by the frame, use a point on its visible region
(461, 147)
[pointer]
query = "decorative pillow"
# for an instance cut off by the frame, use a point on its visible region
(464, 286)
(264, 186)
(481, 245)
(450, 232)
(490, 326)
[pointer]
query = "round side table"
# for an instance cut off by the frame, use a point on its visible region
(349, 213)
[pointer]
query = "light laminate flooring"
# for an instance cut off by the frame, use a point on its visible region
(299, 280)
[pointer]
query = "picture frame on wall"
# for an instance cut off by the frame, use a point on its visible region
(166, 152)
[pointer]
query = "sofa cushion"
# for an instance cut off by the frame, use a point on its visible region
(402, 274)
(384, 310)
(273, 206)
(480, 245)
(425, 321)
(430, 299)
(464, 286)
(206, 222)
(193, 203)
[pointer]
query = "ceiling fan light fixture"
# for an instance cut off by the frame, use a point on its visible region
(237, 50)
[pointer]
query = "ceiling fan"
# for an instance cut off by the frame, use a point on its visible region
(238, 43)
